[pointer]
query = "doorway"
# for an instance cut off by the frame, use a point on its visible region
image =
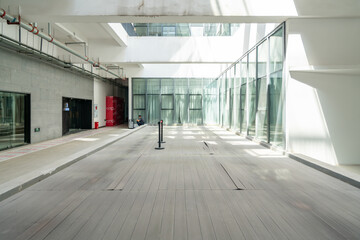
(77, 115)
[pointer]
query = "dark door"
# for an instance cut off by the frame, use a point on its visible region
(66, 115)
(77, 114)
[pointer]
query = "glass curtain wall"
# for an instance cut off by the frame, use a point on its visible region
(251, 92)
(153, 100)
(276, 93)
(243, 96)
(176, 101)
(227, 99)
(236, 100)
(248, 97)
(139, 98)
(222, 102)
(181, 110)
(167, 100)
(211, 105)
(195, 103)
(261, 98)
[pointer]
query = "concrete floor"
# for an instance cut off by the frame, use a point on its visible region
(206, 184)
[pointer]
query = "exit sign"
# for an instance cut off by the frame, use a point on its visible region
(36, 129)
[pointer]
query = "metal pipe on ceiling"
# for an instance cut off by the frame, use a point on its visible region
(12, 44)
(34, 30)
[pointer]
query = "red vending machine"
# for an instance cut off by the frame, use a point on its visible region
(114, 110)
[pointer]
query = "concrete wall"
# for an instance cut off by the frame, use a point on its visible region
(181, 11)
(322, 94)
(47, 85)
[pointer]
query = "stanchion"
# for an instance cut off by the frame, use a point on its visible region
(162, 131)
(159, 148)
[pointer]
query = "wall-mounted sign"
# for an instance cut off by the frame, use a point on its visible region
(96, 110)
(66, 107)
(36, 129)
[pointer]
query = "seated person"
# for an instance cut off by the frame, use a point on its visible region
(140, 121)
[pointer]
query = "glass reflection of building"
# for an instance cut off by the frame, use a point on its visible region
(248, 97)
(13, 120)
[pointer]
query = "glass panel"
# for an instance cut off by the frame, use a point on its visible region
(167, 102)
(211, 104)
(167, 86)
(276, 51)
(139, 101)
(137, 112)
(167, 116)
(139, 86)
(196, 117)
(227, 115)
(252, 92)
(263, 53)
(169, 31)
(261, 115)
(222, 91)
(195, 102)
(153, 109)
(181, 86)
(195, 106)
(236, 107)
(195, 86)
(276, 109)
(243, 97)
(210, 108)
(181, 109)
(12, 120)
(153, 86)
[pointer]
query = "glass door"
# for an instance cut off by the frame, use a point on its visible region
(14, 126)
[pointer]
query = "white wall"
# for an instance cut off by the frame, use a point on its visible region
(101, 90)
(322, 94)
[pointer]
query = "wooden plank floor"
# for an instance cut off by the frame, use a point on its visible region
(190, 191)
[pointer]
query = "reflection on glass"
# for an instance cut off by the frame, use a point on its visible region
(167, 108)
(276, 51)
(153, 86)
(182, 29)
(195, 102)
(243, 97)
(167, 102)
(262, 59)
(139, 86)
(12, 120)
(167, 86)
(139, 102)
(195, 86)
(261, 115)
(181, 86)
(252, 92)
(153, 109)
(236, 102)
(276, 109)
(181, 109)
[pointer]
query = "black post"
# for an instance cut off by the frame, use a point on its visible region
(162, 131)
(159, 148)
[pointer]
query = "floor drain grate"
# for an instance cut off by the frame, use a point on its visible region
(237, 185)
(208, 148)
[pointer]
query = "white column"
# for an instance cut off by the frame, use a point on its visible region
(130, 99)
